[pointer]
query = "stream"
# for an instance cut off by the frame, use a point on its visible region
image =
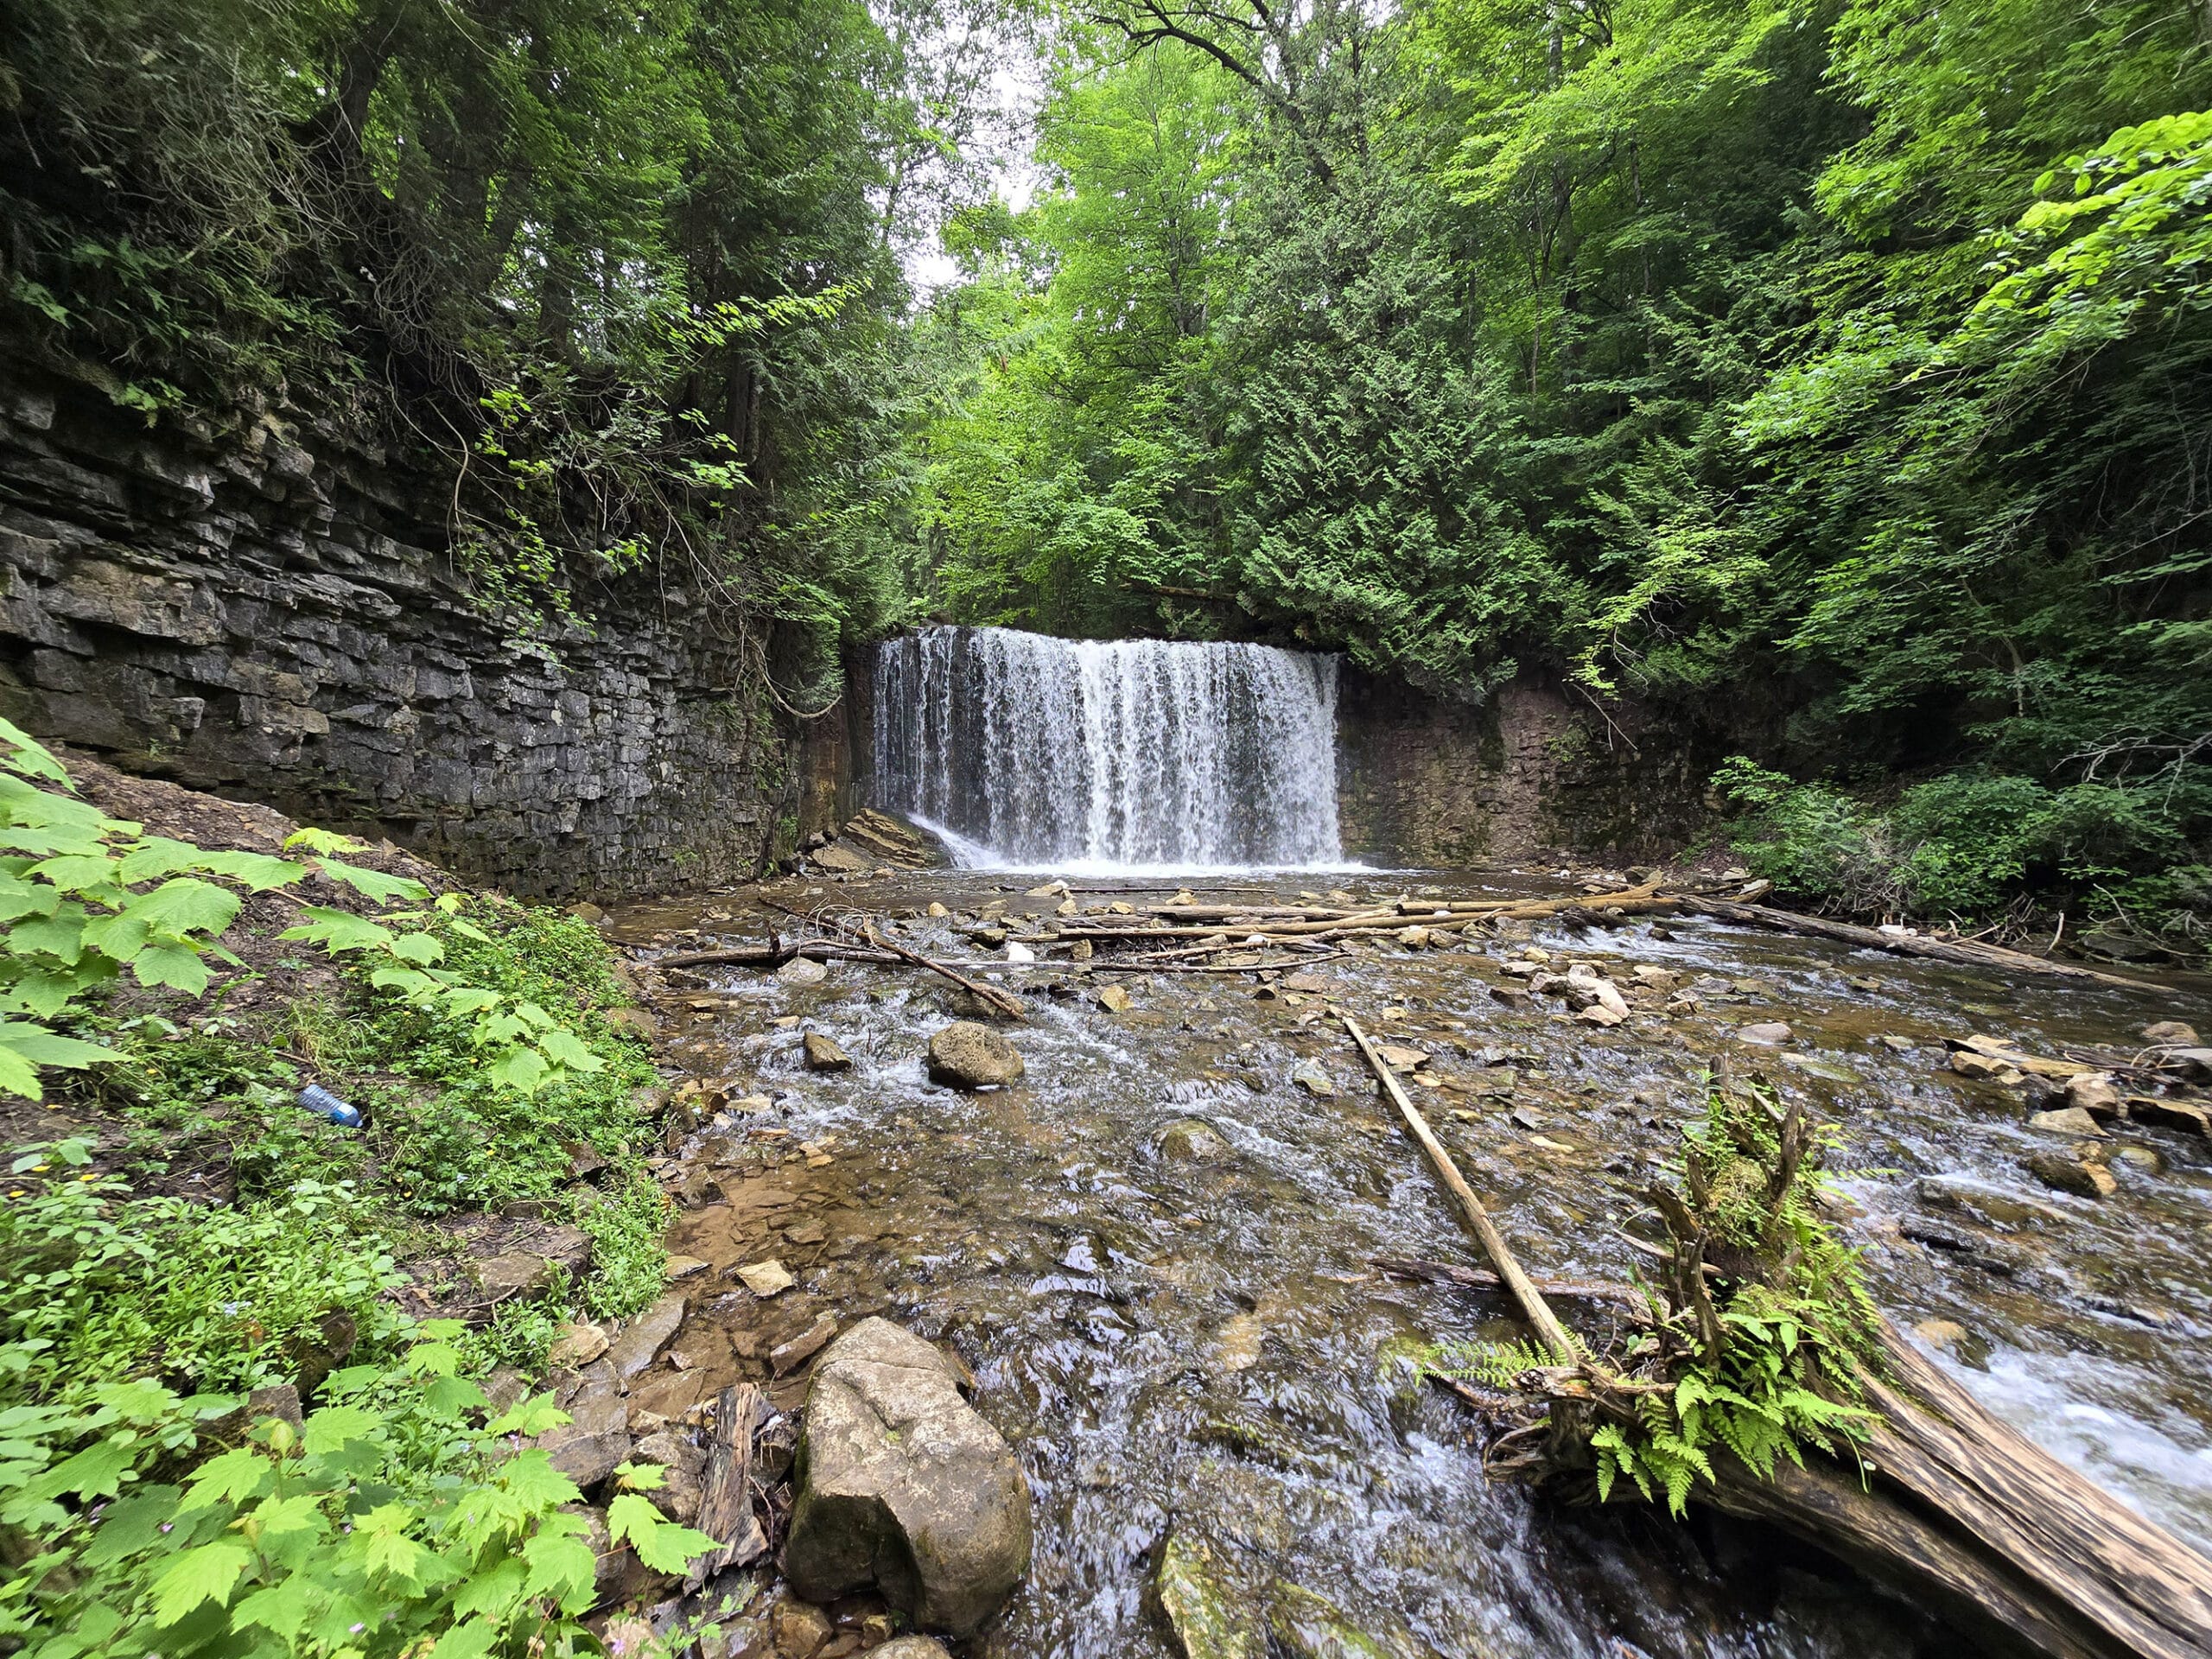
(1177, 1332)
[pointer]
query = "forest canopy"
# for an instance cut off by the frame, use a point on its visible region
(1834, 371)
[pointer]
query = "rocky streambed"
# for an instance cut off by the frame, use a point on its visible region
(1147, 1251)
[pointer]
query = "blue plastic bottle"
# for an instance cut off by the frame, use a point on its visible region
(320, 1101)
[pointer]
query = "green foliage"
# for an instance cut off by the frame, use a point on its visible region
(98, 1286)
(1835, 373)
(396, 1519)
(1762, 1361)
(1968, 844)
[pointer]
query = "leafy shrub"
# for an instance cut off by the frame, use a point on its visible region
(96, 1285)
(395, 1520)
(1970, 843)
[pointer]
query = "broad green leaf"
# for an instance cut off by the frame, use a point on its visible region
(418, 948)
(561, 1567)
(339, 930)
(42, 1047)
(374, 883)
(659, 1542)
(178, 966)
(284, 1607)
(62, 937)
(322, 841)
(185, 905)
(242, 1473)
(203, 1574)
(336, 1425)
(76, 872)
(563, 1045)
(31, 757)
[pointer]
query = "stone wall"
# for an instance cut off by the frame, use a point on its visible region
(270, 612)
(1421, 781)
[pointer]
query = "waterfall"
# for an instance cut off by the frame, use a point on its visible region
(1036, 752)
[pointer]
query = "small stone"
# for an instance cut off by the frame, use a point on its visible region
(516, 1275)
(788, 1357)
(1114, 999)
(2071, 1120)
(823, 1055)
(1192, 1141)
(1767, 1033)
(1967, 1063)
(637, 1021)
(684, 1267)
(768, 1278)
(1018, 952)
(911, 1647)
(2079, 1177)
(1309, 1076)
(802, 971)
(1209, 1619)
(1598, 1015)
(801, 1630)
(936, 910)
(967, 1054)
(576, 1345)
(1940, 1334)
(593, 1443)
(2175, 1031)
(2095, 1093)
(1399, 1059)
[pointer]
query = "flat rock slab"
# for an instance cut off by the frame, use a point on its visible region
(593, 1442)
(639, 1346)
(902, 1486)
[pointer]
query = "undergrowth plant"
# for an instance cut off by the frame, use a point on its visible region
(1755, 1341)
(85, 897)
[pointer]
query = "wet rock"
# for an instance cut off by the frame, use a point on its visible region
(968, 1055)
(640, 1345)
(1190, 1141)
(1307, 1626)
(823, 1055)
(593, 1442)
(800, 1630)
(911, 1647)
(1597, 1013)
(801, 971)
(787, 1356)
(902, 1486)
(505, 1388)
(2068, 1120)
(1967, 1063)
(989, 937)
(2095, 1093)
(1946, 1334)
(1767, 1033)
(2074, 1175)
(769, 1277)
(1209, 1619)
(1400, 1058)
(685, 1267)
(2177, 1032)
(1114, 1000)
(1309, 1076)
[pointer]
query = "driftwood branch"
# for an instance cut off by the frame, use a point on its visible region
(1967, 952)
(1005, 1002)
(1530, 1300)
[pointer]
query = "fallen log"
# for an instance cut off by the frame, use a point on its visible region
(1961, 1510)
(1450, 1273)
(1930, 1493)
(1532, 1307)
(1967, 953)
(770, 956)
(726, 1485)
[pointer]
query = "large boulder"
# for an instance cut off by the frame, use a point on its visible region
(901, 1486)
(971, 1056)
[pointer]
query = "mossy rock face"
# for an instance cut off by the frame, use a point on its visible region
(1307, 1626)
(1210, 1618)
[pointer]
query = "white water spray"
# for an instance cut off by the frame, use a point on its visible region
(1035, 753)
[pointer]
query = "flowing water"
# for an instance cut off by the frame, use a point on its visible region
(1030, 752)
(1208, 1346)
